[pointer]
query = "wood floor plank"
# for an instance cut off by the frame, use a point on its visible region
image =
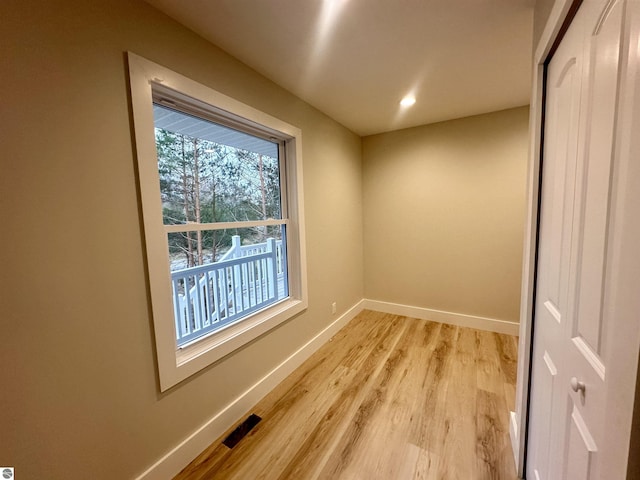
(417, 402)
(492, 439)
(507, 347)
(490, 374)
(460, 414)
(510, 396)
(359, 450)
(427, 466)
(322, 441)
(428, 428)
(388, 398)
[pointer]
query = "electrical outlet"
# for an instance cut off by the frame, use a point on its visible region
(334, 307)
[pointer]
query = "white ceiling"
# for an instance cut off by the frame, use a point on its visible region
(355, 59)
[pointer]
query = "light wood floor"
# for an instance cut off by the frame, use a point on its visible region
(388, 398)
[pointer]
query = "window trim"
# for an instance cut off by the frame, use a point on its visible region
(176, 364)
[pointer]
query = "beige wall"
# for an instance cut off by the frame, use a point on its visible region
(444, 212)
(79, 396)
(541, 13)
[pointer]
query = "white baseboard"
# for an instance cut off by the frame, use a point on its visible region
(513, 435)
(460, 319)
(181, 455)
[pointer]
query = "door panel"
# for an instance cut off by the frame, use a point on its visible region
(554, 254)
(604, 56)
(548, 388)
(558, 173)
(581, 448)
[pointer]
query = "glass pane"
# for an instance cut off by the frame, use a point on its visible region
(212, 173)
(221, 276)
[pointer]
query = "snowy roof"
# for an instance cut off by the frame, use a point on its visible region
(185, 124)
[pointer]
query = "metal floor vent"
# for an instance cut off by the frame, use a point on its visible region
(242, 429)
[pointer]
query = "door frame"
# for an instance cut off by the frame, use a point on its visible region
(559, 19)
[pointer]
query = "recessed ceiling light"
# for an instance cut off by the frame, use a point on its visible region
(408, 101)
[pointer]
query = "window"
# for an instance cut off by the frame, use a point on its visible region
(221, 189)
(221, 193)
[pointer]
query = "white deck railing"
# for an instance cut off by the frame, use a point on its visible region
(246, 279)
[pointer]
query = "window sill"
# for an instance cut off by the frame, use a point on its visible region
(208, 350)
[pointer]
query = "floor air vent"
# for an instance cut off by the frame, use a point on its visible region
(239, 433)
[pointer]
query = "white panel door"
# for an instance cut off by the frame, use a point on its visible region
(562, 113)
(575, 332)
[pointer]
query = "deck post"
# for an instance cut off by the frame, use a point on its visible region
(271, 266)
(238, 304)
(235, 246)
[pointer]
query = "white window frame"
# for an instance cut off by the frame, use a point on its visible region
(176, 364)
